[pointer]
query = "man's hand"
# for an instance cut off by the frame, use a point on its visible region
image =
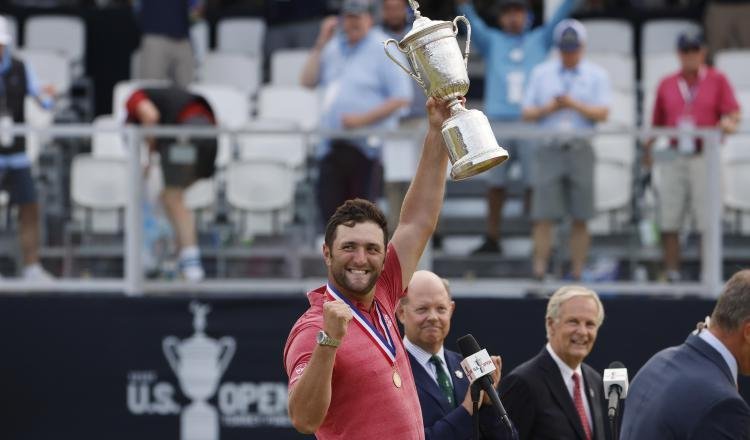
(353, 121)
(437, 112)
(495, 378)
(327, 29)
(336, 317)
(728, 124)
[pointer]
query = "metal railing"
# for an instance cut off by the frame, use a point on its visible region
(134, 282)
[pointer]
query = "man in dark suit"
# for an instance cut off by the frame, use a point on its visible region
(443, 389)
(554, 395)
(690, 391)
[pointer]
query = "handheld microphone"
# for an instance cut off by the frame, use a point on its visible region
(478, 366)
(615, 381)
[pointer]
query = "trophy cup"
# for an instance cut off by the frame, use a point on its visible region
(198, 363)
(439, 68)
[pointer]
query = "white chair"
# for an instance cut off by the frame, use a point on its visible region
(107, 143)
(287, 65)
(241, 35)
(50, 68)
(619, 148)
(289, 148)
(61, 33)
(619, 67)
(743, 98)
(735, 64)
(622, 111)
(296, 104)
(236, 70)
(99, 185)
(261, 191)
(655, 67)
(613, 182)
(608, 36)
(231, 109)
(660, 36)
(135, 63)
(200, 197)
(736, 181)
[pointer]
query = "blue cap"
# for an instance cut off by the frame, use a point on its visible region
(357, 7)
(688, 40)
(570, 35)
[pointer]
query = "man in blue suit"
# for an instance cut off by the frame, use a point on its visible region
(446, 403)
(690, 391)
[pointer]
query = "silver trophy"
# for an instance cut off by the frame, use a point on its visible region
(440, 69)
(198, 363)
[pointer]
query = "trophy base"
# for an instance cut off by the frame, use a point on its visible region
(471, 144)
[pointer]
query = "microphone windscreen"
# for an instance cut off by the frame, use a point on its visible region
(468, 345)
(616, 364)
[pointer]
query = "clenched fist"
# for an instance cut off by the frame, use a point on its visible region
(336, 317)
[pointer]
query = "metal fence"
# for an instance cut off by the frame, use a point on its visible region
(134, 282)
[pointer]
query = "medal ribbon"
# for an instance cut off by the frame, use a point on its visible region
(383, 342)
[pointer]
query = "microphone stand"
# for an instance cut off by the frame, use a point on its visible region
(475, 393)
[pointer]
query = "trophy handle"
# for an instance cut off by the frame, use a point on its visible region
(468, 36)
(229, 345)
(168, 345)
(398, 63)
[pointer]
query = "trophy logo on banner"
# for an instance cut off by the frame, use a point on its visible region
(198, 362)
(438, 66)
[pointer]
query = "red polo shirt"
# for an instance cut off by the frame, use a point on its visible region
(712, 97)
(365, 404)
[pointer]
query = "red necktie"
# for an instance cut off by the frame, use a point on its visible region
(578, 402)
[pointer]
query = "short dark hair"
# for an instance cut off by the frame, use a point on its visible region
(352, 212)
(733, 305)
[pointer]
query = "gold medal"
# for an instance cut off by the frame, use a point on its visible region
(396, 379)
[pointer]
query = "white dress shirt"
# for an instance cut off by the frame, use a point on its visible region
(567, 375)
(719, 346)
(423, 358)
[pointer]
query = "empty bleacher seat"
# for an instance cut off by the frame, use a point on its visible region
(736, 181)
(241, 35)
(199, 37)
(12, 30)
(107, 143)
(620, 68)
(287, 65)
(735, 64)
(236, 70)
(287, 103)
(61, 33)
(608, 36)
(613, 181)
(655, 67)
(289, 148)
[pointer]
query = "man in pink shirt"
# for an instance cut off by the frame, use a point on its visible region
(697, 96)
(349, 375)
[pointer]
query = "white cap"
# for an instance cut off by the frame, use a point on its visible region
(5, 37)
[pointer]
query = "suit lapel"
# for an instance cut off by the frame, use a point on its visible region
(460, 384)
(428, 384)
(559, 391)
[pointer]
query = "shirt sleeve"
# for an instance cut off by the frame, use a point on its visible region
(728, 102)
(33, 90)
(390, 278)
(658, 118)
(132, 104)
(299, 350)
(530, 94)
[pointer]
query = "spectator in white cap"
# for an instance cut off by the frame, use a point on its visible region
(565, 96)
(16, 82)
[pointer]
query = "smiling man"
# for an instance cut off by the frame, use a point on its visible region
(443, 390)
(555, 395)
(349, 375)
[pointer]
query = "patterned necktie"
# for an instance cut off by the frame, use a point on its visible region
(444, 382)
(578, 402)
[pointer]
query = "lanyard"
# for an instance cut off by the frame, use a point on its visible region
(689, 93)
(383, 342)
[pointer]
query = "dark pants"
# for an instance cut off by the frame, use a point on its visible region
(346, 173)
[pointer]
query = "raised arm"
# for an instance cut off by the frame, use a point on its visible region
(480, 32)
(310, 76)
(563, 12)
(424, 199)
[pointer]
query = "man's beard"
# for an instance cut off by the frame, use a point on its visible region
(341, 279)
